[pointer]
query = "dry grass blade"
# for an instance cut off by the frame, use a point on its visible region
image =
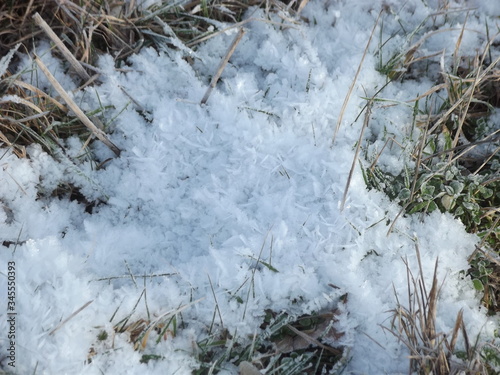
(64, 50)
(456, 56)
(70, 317)
(18, 100)
(356, 154)
(25, 117)
(468, 147)
(223, 64)
(240, 24)
(418, 164)
(5, 60)
(302, 5)
(40, 93)
(141, 329)
(467, 95)
(351, 88)
(430, 321)
(20, 151)
(431, 352)
(216, 302)
(456, 329)
(311, 340)
(74, 107)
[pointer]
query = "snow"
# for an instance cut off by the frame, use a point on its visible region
(200, 193)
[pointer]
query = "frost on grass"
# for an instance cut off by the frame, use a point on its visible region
(235, 203)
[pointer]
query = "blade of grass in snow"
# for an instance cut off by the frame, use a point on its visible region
(351, 87)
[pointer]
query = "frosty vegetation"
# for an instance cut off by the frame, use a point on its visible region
(264, 231)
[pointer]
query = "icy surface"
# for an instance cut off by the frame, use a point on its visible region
(200, 193)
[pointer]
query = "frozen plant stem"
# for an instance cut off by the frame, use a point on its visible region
(222, 65)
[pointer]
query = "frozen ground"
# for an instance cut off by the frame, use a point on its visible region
(200, 192)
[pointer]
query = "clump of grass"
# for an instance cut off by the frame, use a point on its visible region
(139, 331)
(455, 165)
(25, 116)
(431, 351)
(285, 344)
(90, 28)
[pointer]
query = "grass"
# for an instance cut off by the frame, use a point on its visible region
(455, 165)
(284, 344)
(433, 352)
(443, 173)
